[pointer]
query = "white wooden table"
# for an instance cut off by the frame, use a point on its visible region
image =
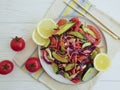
(18, 17)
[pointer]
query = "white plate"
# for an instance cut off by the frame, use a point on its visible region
(48, 68)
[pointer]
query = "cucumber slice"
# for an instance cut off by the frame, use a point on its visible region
(50, 54)
(88, 30)
(77, 34)
(94, 53)
(55, 68)
(86, 44)
(66, 75)
(69, 67)
(89, 74)
(65, 28)
(73, 76)
(59, 58)
(63, 48)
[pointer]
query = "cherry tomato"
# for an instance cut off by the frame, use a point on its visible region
(32, 64)
(75, 80)
(76, 21)
(17, 44)
(77, 24)
(62, 22)
(97, 34)
(6, 67)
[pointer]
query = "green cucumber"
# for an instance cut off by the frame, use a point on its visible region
(72, 76)
(55, 67)
(62, 52)
(50, 58)
(65, 28)
(98, 49)
(66, 75)
(94, 53)
(60, 58)
(50, 54)
(86, 44)
(63, 48)
(78, 67)
(89, 74)
(69, 67)
(88, 30)
(77, 34)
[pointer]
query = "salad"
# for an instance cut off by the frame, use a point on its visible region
(71, 50)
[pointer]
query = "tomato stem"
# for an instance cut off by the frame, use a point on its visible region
(17, 38)
(5, 67)
(32, 66)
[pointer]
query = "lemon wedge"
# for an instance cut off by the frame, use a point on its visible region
(102, 62)
(38, 39)
(45, 27)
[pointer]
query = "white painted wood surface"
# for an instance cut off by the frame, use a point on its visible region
(19, 17)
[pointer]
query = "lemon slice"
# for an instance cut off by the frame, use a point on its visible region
(101, 62)
(46, 27)
(38, 39)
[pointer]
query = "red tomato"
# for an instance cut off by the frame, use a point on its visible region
(73, 71)
(75, 80)
(81, 58)
(90, 38)
(33, 64)
(77, 45)
(6, 67)
(76, 21)
(17, 44)
(77, 24)
(54, 42)
(81, 31)
(62, 22)
(97, 34)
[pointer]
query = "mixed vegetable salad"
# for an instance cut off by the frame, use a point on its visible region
(72, 49)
